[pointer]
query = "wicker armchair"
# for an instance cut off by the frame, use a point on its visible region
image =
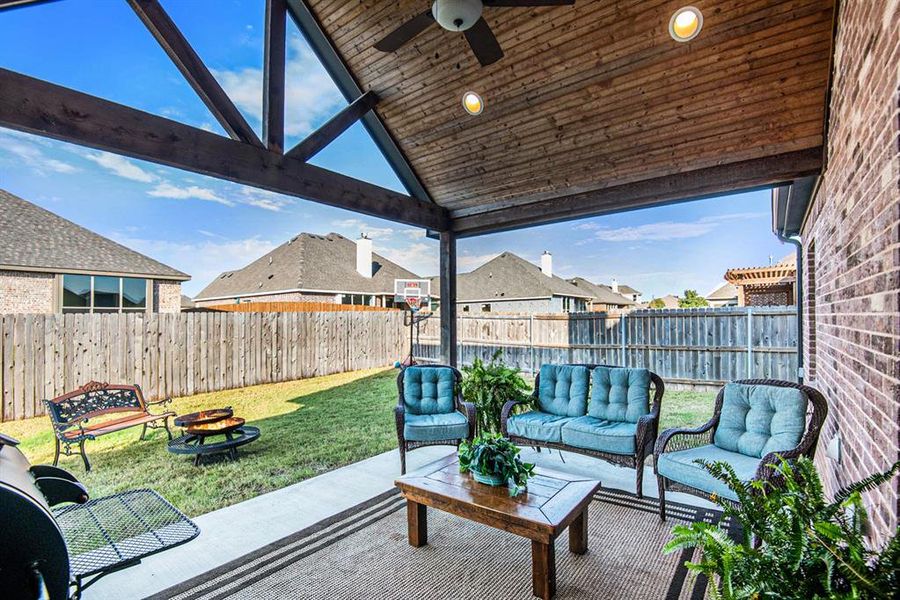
(430, 410)
(675, 447)
(644, 430)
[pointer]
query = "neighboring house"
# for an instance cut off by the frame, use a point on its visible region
(669, 301)
(311, 268)
(187, 303)
(724, 295)
(603, 298)
(627, 291)
(775, 285)
(511, 284)
(51, 265)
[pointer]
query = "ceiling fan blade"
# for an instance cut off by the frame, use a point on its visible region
(485, 46)
(528, 2)
(403, 34)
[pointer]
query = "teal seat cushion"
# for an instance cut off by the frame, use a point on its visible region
(428, 390)
(680, 466)
(758, 419)
(431, 428)
(619, 394)
(591, 433)
(537, 425)
(563, 390)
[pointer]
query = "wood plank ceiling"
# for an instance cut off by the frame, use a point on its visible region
(591, 96)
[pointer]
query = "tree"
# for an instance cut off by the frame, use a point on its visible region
(692, 300)
(657, 303)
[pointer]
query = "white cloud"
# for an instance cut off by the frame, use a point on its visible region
(121, 166)
(168, 190)
(28, 151)
(310, 94)
(354, 226)
(418, 257)
(203, 259)
(666, 230)
(265, 199)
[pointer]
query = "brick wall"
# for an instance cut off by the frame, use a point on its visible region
(166, 296)
(22, 292)
(854, 230)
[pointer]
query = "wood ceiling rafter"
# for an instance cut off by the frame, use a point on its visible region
(163, 28)
(43, 108)
(334, 127)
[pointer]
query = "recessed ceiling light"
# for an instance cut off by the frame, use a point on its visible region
(473, 103)
(685, 24)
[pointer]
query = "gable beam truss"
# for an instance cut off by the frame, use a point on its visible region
(164, 30)
(746, 175)
(335, 126)
(42, 108)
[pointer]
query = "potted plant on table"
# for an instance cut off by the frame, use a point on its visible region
(494, 460)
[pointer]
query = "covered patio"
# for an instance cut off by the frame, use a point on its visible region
(594, 108)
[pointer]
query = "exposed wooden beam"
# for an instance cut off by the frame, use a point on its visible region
(448, 299)
(335, 126)
(43, 108)
(7, 4)
(273, 75)
(333, 62)
(191, 66)
(691, 185)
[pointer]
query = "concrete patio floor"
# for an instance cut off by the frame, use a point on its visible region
(233, 531)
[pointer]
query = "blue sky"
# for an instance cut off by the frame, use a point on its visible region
(204, 226)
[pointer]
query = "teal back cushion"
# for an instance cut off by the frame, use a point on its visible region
(428, 390)
(563, 390)
(758, 419)
(619, 394)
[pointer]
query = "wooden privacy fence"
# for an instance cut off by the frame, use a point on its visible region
(293, 307)
(42, 356)
(691, 346)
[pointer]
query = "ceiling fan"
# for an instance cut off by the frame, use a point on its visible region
(461, 16)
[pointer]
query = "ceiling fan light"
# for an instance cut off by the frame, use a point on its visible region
(685, 24)
(456, 15)
(473, 103)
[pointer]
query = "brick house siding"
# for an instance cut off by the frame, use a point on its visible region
(23, 292)
(166, 296)
(852, 244)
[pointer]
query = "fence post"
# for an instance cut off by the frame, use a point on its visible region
(749, 343)
(622, 335)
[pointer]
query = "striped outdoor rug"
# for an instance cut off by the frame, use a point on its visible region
(362, 553)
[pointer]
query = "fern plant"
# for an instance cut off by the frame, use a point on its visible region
(489, 386)
(493, 455)
(796, 544)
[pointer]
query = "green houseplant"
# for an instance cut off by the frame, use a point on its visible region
(489, 385)
(494, 460)
(796, 543)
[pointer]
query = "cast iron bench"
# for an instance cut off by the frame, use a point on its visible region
(71, 415)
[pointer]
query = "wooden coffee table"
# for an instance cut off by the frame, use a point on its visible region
(552, 502)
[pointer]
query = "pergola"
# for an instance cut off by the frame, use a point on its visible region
(593, 109)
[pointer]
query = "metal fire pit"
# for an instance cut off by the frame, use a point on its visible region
(201, 427)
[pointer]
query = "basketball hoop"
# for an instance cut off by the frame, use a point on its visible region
(413, 302)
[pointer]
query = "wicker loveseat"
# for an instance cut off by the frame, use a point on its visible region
(619, 423)
(754, 422)
(430, 410)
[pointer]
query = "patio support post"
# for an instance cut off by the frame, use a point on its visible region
(448, 298)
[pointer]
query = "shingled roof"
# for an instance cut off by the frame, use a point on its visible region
(600, 293)
(509, 277)
(308, 262)
(35, 239)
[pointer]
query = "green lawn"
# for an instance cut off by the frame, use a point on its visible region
(308, 427)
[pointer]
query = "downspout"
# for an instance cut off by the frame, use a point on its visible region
(795, 240)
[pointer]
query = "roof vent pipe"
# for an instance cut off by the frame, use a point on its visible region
(364, 256)
(547, 264)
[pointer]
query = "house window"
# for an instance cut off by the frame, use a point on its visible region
(485, 308)
(103, 294)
